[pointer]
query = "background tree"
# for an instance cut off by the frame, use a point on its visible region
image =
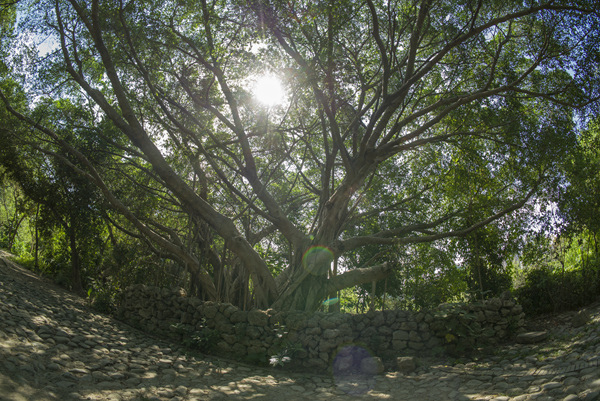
(405, 123)
(580, 204)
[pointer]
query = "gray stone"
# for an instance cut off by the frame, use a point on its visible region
(61, 340)
(571, 381)
(414, 336)
(239, 317)
(400, 335)
(210, 311)
(532, 337)
(474, 383)
(330, 333)
(64, 384)
(551, 386)
(258, 317)
(399, 345)
(515, 391)
(590, 395)
(580, 319)
(343, 363)
(406, 364)
(372, 366)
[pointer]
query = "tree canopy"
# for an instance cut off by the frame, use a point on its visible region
(403, 122)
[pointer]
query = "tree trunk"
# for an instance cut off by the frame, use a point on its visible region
(373, 290)
(75, 263)
(334, 296)
(37, 240)
(308, 291)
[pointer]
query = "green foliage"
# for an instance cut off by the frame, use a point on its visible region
(102, 295)
(428, 275)
(462, 328)
(580, 203)
(16, 212)
(484, 253)
(285, 349)
(547, 290)
(407, 123)
(202, 339)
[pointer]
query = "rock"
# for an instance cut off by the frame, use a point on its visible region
(580, 319)
(589, 395)
(493, 304)
(64, 384)
(239, 317)
(371, 366)
(532, 337)
(343, 363)
(406, 364)
(330, 333)
(210, 311)
(551, 386)
(399, 345)
(400, 335)
(258, 317)
(414, 336)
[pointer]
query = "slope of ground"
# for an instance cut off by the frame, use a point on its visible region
(53, 347)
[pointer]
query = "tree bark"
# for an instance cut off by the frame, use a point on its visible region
(75, 263)
(309, 291)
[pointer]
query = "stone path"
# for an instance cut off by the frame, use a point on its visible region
(53, 347)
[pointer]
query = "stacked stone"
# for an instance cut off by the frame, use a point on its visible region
(396, 330)
(319, 337)
(461, 327)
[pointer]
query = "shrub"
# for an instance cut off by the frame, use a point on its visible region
(202, 339)
(550, 291)
(101, 295)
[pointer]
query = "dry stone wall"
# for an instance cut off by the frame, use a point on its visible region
(318, 341)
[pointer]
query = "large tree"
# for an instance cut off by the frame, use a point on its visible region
(404, 122)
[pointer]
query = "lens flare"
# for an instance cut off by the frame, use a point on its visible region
(268, 90)
(317, 259)
(354, 370)
(331, 301)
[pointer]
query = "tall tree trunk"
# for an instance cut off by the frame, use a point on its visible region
(75, 262)
(373, 295)
(334, 296)
(37, 239)
(310, 286)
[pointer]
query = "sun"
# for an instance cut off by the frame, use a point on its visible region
(268, 90)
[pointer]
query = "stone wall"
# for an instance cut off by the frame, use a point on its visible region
(318, 341)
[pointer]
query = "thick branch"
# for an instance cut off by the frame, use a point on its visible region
(389, 238)
(359, 276)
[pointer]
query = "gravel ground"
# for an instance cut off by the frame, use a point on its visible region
(54, 347)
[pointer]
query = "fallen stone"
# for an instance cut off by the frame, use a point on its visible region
(61, 340)
(371, 366)
(532, 337)
(64, 384)
(406, 364)
(589, 395)
(551, 386)
(580, 319)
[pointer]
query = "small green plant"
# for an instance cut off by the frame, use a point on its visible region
(202, 339)
(461, 329)
(101, 296)
(286, 349)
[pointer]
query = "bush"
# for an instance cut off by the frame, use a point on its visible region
(548, 291)
(202, 338)
(101, 295)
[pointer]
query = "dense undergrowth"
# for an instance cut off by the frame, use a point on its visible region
(549, 291)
